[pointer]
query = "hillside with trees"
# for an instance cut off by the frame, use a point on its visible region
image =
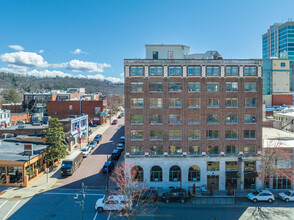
(33, 84)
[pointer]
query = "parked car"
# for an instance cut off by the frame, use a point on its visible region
(114, 122)
(92, 144)
(120, 147)
(175, 195)
(109, 165)
(287, 196)
(119, 116)
(112, 203)
(122, 139)
(98, 138)
(261, 195)
(86, 151)
(115, 154)
(148, 195)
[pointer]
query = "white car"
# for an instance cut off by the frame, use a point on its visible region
(112, 203)
(261, 195)
(287, 196)
(86, 151)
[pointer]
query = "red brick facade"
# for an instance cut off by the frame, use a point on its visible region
(13, 108)
(63, 109)
(282, 99)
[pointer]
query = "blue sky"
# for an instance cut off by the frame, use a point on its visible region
(108, 31)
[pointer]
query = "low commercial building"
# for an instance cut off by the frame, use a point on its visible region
(16, 168)
(25, 129)
(96, 110)
(4, 118)
(280, 145)
(286, 119)
(14, 107)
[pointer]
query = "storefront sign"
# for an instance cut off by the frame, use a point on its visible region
(28, 149)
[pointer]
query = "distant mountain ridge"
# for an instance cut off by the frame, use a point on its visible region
(34, 84)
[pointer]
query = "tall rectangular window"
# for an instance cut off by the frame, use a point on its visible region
(231, 102)
(155, 119)
(212, 71)
(137, 150)
(137, 71)
(212, 87)
(232, 71)
(137, 135)
(249, 134)
(250, 86)
(156, 135)
(174, 71)
(232, 119)
(213, 103)
(194, 119)
(156, 71)
(232, 149)
(212, 119)
(137, 119)
(137, 103)
(231, 134)
(231, 165)
(250, 119)
(194, 102)
(175, 102)
(156, 150)
(194, 87)
(155, 55)
(175, 119)
(194, 149)
(212, 134)
(137, 87)
(212, 166)
(175, 135)
(155, 87)
(231, 86)
(155, 102)
(174, 86)
(194, 135)
(250, 71)
(250, 103)
(174, 150)
(194, 71)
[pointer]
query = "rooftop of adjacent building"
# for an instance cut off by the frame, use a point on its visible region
(74, 117)
(274, 138)
(27, 126)
(12, 150)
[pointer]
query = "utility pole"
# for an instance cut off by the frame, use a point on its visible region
(107, 175)
(81, 203)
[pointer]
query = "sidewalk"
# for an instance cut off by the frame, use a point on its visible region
(45, 182)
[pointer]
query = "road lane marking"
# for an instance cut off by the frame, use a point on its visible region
(11, 210)
(108, 216)
(95, 216)
(3, 204)
(73, 194)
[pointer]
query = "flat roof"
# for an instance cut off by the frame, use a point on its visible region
(27, 126)
(273, 137)
(13, 150)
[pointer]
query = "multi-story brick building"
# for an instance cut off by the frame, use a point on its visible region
(194, 121)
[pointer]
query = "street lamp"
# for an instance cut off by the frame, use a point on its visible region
(81, 203)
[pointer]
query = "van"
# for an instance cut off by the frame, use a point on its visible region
(113, 203)
(71, 163)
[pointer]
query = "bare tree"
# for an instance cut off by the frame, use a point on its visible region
(130, 184)
(276, 160)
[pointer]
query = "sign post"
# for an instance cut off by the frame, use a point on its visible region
(28, 150)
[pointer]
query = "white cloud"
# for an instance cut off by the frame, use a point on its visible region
(82, 66)
(41, 51)
(78, 51)
(24, 59)
(101, 77)
(16, 47)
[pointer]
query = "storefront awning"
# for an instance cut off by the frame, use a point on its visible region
(69, 137)
(250, 174)
(231, 174)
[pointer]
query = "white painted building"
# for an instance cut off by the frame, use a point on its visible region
(4, 118)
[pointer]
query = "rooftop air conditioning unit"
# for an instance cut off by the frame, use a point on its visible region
(203, 153)
(165, 153)
(184, 153)
(222, 153)
(146, 154)
(21, 126)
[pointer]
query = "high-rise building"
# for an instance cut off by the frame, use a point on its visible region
(278, 42)
(193, 121)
